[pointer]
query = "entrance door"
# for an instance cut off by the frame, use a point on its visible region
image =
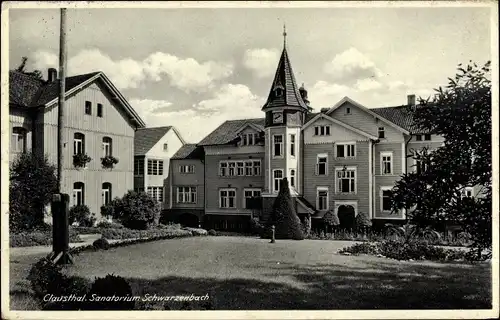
(347, 217)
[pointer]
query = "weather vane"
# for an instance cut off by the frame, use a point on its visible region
(284, 34)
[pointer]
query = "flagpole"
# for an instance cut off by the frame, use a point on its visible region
(62, 90)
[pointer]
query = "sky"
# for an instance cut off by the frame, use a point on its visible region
(195, 68)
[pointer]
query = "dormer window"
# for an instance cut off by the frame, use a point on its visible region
(249, 139)
(347, 110)
(278, 91)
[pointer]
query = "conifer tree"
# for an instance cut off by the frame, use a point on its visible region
(284, 216)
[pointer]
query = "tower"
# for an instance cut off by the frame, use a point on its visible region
(285, 111)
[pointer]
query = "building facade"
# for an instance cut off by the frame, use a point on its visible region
(343, 159)
(98, 123)
(153, 148)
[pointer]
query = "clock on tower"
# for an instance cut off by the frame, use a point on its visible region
(278, 117)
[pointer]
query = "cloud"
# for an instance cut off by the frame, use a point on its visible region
(186, 74)
(324, 94)
(352, 65)
(262, 62)
(368, 84)
(228, 102)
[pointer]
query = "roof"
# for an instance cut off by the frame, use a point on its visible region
(399, 115)
(146, 138)
(284, 78)
(27, 91)
(226, 132)
(188, 151)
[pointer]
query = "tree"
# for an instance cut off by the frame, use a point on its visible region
(22, 68)
(284, 217)
(461, 113)
(136, 210)
(32, 183)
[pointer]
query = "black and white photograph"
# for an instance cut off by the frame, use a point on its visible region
(250, 160)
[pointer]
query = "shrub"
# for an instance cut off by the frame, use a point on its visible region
(197, 231)
(363, 221)
(136, 210)
(37, 238)
(70, 286)
(212, 232)
(284, 217)
(32, 183)
(109, 225)
(359, 248)
(101, 244)
(46, 278)
(108, 286)
(81, 215)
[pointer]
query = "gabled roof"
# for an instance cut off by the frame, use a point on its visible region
(146, 138)
(284, 78)
(340, 123)
(189, 151)
(254, 126)
(369, 111)
(226, 132)
(28, 92)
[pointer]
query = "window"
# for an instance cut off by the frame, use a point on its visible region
(78, 193)
(322, 165)
(186, 194)
(250, 195)
(223, 169)
(231, 168)
(99, 110)
(138, 167)
(188, 168)
(88, 107)
(322, 131)
(277, 176)
(292, 145)
(421, 166)
(427, 137)
(292, 178)
(467, 192)
(386, 162)
(381, 132)
(165, 147)
(347, 110)
(107, 143)
(139, 190)
(240, 168)
(278, 145)
(346, 180)
(385, 201)
(346, 150)
(78, 143)
(322, 198)
(418, 137)
(106, 193)
(18, 140)
(156, 193)
(227, 198)
(249, 139)
(155, 167)
(278, 92)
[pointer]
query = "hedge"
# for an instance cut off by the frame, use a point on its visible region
(37, 238)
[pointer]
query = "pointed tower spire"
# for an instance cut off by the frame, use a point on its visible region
(284, 90)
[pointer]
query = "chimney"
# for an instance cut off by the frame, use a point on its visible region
(411, 100)
(52, 74)
(324, 110)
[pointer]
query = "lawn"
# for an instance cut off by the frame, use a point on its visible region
(250, 273)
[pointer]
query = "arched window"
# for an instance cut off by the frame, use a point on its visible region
(78, 193)
(18, 140)
(79, 143)
(107, 146)
(106, 193)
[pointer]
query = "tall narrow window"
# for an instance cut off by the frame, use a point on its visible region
(278, 145)
(232, 169)
(223, 169)
(18, 140)
(322, 165)
(418, 137)
(138, 167)
(292, 145)
(385, 201)
(240, 168)
(277, 176)
(88, 107)
(78, 143)
(386, 162)
(322, 198)
(248, 168)
(78, 193)
(99, 110)
(381, 132)
(256, 167)
(107, 143)
(106, 193)
(292, 178)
